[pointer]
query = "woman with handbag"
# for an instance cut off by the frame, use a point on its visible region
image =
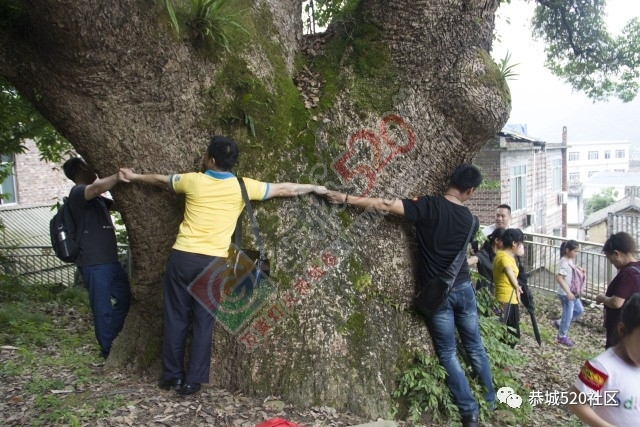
(505, 279)
(567, 277)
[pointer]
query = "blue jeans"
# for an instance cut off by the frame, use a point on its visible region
(107, 282)
(460, 312)
(571, 310)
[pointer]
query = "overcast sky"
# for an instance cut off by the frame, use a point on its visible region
(545, 103)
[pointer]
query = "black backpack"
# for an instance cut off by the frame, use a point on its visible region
(62, 230)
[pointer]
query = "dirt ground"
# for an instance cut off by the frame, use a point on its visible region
(123, 400)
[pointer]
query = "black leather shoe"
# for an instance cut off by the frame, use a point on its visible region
(470, 420)
(188, 389)
(173, 384)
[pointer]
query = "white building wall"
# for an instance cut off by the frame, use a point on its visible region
(584, 159)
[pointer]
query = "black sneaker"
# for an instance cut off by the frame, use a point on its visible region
(188, 389)
(172, 384)
(470, 420)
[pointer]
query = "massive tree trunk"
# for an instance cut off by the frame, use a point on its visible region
(409, 91)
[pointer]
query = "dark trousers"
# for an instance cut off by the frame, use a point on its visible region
(178, 305)
(110, 297)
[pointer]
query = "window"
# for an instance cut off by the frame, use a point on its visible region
(607, 154)
(574, 156)
(593, 155)
(574, 177)
(8, 185)
(620, 154)
(518, 180)
(556, 167)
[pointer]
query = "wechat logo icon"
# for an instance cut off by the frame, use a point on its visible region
(508, 395)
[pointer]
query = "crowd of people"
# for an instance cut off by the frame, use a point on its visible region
(614, 374)
(214, 202)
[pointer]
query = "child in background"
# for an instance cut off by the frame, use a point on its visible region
(571, 304)
(505, 278)
(614, 378)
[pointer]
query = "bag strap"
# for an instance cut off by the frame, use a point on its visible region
(252, 219)
(450, 273)
(80, 229)
(454, 268)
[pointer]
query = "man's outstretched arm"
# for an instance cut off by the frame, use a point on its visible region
(101, 185)
(393, 206)
(291, 189)
(128, 175)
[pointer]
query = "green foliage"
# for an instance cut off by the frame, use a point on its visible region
(209, 20)
(506, 68)
(375, 79)
(122, 237)
(582, 51)
(33, 316)
(20, 325)
(19, 121)
(422, 386)
(321, 13)
(601, 200)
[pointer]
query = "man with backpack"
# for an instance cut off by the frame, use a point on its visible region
(97, 258)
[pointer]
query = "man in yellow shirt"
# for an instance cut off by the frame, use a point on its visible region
(213, 203)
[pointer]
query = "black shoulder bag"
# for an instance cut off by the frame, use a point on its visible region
(262, 266)
(435, 292)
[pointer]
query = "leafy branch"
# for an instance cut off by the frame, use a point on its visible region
(581, 50)
(208, 20)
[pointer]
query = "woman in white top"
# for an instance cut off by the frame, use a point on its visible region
(571, 305)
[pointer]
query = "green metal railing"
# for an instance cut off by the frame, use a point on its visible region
(542, 253)
(38, 264)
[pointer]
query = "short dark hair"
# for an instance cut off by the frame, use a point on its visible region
(622, 242)
(507, 207)
(72, 166)
(224, 151)
(630, 316)
(465, 176)
(511, 236)
(567, 246)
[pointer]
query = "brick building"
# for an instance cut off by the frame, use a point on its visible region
(33, 181)
(527, 174)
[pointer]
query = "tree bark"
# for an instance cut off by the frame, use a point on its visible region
(114, 80)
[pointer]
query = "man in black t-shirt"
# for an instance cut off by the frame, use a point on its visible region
(102, 273)
(442, 224)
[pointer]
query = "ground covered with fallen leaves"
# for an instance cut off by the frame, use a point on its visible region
(51, 374)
